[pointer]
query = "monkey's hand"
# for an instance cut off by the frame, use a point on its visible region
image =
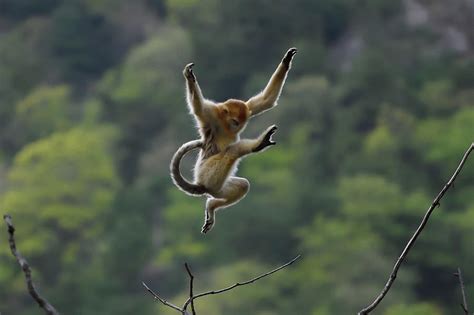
(266, 139)
(289, 56)
(188, 72)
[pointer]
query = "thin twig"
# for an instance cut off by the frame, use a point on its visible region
(200, 295)
(420, 228)
(192, 297)
(191, 284)
(463, 292)
(43, 303)
(157, 297)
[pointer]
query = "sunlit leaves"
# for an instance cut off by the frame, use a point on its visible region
(61, 183)
(44, 111)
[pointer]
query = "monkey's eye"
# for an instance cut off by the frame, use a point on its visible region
(225, 111)
(234, 123)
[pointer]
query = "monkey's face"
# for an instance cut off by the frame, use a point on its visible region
(234, 115)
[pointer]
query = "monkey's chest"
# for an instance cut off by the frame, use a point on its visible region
(213, 171)
(215, 142)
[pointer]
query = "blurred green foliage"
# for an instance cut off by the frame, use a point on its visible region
(375, 115)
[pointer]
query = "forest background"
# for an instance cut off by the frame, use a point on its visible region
(376, 113)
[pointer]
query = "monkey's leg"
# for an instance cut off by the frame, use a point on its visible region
(234, 189)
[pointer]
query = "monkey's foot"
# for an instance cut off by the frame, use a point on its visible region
(208, 225)
(289, 56)
(188, 72)
(267, 138)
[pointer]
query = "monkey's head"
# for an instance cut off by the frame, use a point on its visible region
(234, 115)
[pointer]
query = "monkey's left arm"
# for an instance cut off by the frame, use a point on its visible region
(247, 146)
(269, 96)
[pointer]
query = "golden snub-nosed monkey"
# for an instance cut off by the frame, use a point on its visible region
(219, 125)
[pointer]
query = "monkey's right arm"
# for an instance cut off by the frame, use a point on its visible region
(247, 146)
(269, 96)
(198, 105)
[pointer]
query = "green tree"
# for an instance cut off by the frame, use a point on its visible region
(59, 191)
(414, 309)
(42, 112)
(391, 150)
(344, 267)
(145, 93)
(82, 42)
(20, 9)
(23, 62)
(248, 32)
(382, 206)
(453, 136)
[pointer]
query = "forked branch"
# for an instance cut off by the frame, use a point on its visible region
(192, 297)
(417, 233)
(42, 302)
(191, 285)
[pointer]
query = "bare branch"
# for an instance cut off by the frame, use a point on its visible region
(463, 292)
(191, 284)
(412, 241)
(192, 297)
(44, 304)
(241, 283)
(157, 297)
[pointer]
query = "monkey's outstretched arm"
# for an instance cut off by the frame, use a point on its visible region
(269, 96)
(198, 105)
(247, 146)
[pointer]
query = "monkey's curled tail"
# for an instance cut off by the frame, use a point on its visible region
(178, 179)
